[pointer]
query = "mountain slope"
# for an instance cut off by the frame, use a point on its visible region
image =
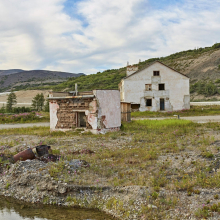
(198, 64)
(203, 65)
(20, 79)
(11, 71)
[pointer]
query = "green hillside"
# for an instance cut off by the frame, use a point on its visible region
(110, 79)
(190, 62)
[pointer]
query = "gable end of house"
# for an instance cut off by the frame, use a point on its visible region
(151, 65)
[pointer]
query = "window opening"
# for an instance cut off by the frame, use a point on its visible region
(161, 87)
(156, 73)
(148, 87)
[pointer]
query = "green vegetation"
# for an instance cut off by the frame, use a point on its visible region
(11, 100)
(7, 185)
(109, 79)
(207, 88)
(47, 105)
(207, 210)
(24, 117)
(28, 86)
(16, 109)
(38, 102)
(56, 169)
(192, 53)
(171, 155)
(42, 131)
(193, 111)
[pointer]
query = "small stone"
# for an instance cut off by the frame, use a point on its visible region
(151, 206)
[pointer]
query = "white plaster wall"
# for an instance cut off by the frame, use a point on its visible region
(131, 69)
(108, 102)
(92, 115)
(121, 88)
(176, 85)
(53, 114)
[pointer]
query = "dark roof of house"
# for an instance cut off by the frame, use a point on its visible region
(152, 64)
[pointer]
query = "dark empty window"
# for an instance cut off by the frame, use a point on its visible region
(156, 73)
(148, 102)
(161, 87)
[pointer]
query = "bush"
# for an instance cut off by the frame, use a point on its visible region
(216, 45)
(21, 109)
(21, 117)
(204, 88)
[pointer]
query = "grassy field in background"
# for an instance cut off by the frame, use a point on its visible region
(193, 111)
(29, 117)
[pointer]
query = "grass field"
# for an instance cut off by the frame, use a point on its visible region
(173, 155)
(193, 111)
(30, 117)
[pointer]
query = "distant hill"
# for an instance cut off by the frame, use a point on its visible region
(8, 72)
(199, 64)
(20, 79)
(202, 65)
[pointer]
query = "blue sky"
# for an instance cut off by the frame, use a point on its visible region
(93, 35)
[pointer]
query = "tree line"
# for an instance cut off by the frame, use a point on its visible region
(38, 104)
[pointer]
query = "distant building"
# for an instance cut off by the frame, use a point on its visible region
(98, 111)
(156, 87)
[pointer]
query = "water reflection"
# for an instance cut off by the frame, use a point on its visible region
(11, 209)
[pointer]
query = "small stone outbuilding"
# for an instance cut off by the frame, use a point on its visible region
(97, 110)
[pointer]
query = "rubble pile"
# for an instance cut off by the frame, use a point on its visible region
(30, 180)
(26, 176)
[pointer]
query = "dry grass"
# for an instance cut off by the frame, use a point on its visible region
(175, 155)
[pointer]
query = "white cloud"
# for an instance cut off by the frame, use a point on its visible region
(39, 34)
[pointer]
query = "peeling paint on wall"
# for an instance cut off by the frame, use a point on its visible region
(100, 113)
(186, 101)
(109, 105)
(53, 114)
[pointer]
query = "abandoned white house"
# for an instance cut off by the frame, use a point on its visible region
(156, 87)
(98, 110)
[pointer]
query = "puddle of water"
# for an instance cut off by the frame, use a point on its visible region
(11, 209)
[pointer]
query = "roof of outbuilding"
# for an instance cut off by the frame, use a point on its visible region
(151, 65)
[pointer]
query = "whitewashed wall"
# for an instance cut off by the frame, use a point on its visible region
(53, 115)
(109, 108)
(176, 92)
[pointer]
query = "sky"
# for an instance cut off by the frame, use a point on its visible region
(87, 36)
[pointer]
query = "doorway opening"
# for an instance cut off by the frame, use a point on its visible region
(162, 107)
(82, 119)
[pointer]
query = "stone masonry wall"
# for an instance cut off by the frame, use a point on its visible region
(67, 118)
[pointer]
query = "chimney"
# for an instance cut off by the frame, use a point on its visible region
(131, 70)
(76, 89)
